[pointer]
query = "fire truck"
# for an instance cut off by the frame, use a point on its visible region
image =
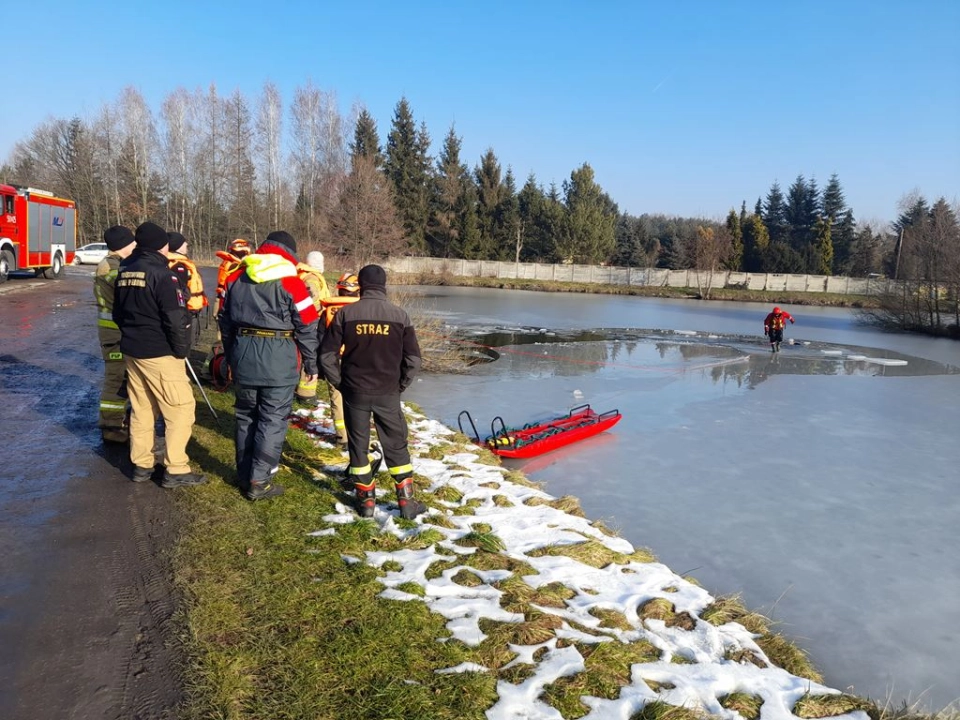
(38, 231)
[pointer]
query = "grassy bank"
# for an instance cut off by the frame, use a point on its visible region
(786, 297)
(284, 615)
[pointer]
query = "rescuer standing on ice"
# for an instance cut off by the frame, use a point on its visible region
(773, 327)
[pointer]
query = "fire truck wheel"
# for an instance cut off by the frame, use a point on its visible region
(6, 265)
(55, 271)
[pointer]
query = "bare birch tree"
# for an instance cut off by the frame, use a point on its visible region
(140, 150)
(268, 133)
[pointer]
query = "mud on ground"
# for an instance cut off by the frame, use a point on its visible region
(87, 607)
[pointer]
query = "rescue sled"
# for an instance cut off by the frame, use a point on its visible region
(537, 438)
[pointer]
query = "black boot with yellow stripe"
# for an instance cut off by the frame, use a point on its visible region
(365, 488)
(410, 507)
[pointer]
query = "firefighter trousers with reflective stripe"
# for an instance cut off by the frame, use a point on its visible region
(113, 404)
(391, 430)
(159, 387)
(261, 429)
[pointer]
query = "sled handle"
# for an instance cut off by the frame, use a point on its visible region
(476, 435)
(578, 408)
(502, 432)
(608, 414)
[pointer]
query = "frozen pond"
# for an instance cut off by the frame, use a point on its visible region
(821, 483)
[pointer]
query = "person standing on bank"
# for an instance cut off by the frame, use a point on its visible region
(190, 280)
(151, 311)
(266, 318)
(773, 326)
(381, 357)
(311, 273)
(113, 401)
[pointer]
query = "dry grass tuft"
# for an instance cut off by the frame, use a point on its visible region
(746, 705)
(590, 552)
(820, 706)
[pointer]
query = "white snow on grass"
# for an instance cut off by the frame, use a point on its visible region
(695, 668)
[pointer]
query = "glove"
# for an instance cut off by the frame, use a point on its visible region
(791, 321)
(766, 332)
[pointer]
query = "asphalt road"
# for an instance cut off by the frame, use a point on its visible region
(86, 601)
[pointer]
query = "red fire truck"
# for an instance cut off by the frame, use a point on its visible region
(37, 231)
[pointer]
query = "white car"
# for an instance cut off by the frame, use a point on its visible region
(90, 254)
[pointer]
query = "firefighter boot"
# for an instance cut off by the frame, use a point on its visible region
(410, 507)
(141, 474)
(263, 490)
(365, 488)
(182, 480)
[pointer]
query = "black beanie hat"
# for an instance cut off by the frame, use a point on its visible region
(283, 238)
(176, 241)
(151, 236)
(117, 237)
(372, 276)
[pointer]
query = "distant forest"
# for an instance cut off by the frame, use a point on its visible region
(215, 167)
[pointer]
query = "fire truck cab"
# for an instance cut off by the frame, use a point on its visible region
(38, 231)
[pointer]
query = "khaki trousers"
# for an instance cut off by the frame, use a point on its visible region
(336, 403)
(113, 408)
(160, 387)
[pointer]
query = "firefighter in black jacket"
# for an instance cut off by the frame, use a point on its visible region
(267, 317)
(381, 357)
(151, 311)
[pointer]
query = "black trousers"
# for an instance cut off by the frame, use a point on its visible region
(262, 414)
(391, 429)
(776, 335)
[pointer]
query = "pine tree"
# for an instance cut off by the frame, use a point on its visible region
(735, 261)
(407, 165)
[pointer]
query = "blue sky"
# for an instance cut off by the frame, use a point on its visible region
(685, 110)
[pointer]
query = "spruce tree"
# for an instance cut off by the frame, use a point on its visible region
(366, 139)
(407, 166)
(756, 241)
(592, 218)
(822, 247)
(530, 206)
(735, 261)
(834, 203)
(774, 213)
(489, 195)
(447, 200)
(509, 239)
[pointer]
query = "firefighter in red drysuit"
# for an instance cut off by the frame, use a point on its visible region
(773, 327)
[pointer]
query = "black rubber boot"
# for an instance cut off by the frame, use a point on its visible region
(365, 488)
(410, 507)
(264, 490)
(182, 480)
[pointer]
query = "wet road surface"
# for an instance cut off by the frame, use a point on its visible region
(85, 586)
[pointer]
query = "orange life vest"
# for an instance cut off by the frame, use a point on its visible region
(228, 266)
(332, 305)
(196, 301)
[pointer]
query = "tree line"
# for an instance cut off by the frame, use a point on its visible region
(216, 167)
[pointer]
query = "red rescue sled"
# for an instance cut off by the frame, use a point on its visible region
(537, 438)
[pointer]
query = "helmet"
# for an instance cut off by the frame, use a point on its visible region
(240, 247)
(776, 311)
(348, 284)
